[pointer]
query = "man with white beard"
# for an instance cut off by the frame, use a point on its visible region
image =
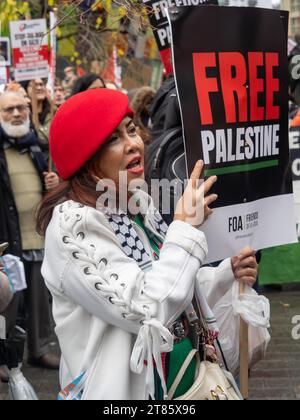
(23, 180)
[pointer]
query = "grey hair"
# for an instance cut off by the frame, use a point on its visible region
(8, 93)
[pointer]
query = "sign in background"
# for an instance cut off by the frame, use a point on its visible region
(280, 265)
(4, 52)
(232, 78)
(294, 138)
(295, 165)
(53, 48)
(30, 49)
(3, 76)
(161, 28)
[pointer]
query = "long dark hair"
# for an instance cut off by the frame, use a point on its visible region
(46, 105)
(83, 83)
(80, 188)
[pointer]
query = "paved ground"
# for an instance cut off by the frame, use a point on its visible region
(278, 376)
(275, 378)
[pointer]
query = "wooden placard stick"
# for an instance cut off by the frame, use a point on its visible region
(51, 100)
(244, 354)
(52, 112)
(50, 163)
(34, 106)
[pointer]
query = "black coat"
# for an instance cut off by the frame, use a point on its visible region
(9, 219)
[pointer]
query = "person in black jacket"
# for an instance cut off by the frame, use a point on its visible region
(23, 179)
(294, 59)
(165, 111)
(88, 82)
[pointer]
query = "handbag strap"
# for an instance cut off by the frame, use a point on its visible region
(199, 314)
(181, 373)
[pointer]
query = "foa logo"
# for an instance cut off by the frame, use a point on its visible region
(243, 223)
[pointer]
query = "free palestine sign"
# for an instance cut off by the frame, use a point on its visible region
(232, 79)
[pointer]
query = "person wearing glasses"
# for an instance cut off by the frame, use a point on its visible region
(37, 91)
(23, 179)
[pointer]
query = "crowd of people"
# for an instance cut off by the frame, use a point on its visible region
(111, 275)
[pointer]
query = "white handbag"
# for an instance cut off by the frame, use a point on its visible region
(211, 382)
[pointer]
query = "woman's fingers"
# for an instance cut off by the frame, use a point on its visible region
(51, 180)
(207, 185)
(210, 199)
(246, 252)
(248, 262)
(196, 174)
(193, 207)
(234, 263)
(246, 272)
(245, 267)
(197, 170)
(208, 212)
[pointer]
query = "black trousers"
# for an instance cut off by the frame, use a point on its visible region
(37, 307)
(31, 309)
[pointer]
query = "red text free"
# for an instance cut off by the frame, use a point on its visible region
(237, 78)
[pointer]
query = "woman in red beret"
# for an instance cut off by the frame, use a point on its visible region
(120, 282)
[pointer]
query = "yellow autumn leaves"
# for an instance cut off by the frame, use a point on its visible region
(12, 10)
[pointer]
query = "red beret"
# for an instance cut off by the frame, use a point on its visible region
(82, 125)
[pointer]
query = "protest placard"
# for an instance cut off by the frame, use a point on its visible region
(3, 77)
(156, 10)
(30, 49)
(232, 78)
(295, 165)
(53, 47)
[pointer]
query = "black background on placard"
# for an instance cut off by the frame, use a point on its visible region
(295, 153)
(163, 22)
(228, 29)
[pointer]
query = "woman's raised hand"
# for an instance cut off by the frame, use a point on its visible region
(193, 207)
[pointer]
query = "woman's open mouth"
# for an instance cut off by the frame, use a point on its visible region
(136, 166)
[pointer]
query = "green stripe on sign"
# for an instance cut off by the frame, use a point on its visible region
(242, 168)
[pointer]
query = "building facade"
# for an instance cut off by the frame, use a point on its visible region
(294, 8)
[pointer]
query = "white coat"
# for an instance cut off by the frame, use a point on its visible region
(110, 315)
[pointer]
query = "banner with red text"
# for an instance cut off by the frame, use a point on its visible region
(232, 78)
(29, 43)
